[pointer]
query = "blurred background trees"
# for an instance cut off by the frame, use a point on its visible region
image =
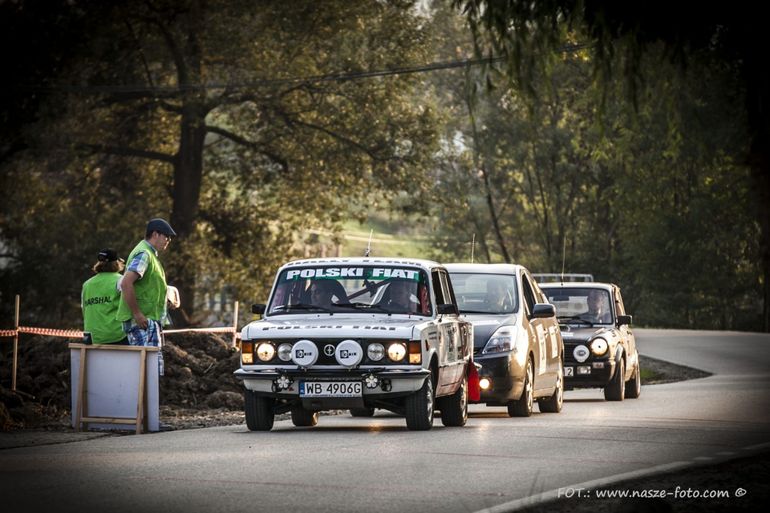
(252, 128)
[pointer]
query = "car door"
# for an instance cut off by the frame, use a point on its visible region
(626, 333)
(553, 337)
(448, 335)
(537, 330)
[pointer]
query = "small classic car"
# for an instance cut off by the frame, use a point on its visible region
(599, 345)
(358, 334)
(516, 337)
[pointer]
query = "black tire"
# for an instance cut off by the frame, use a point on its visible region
(522, 407)
(554, 403)
(362, 412)
(454, 409)
(259, 412)
(419, 407)
(616, 388)
(301, 417)
(634, 385)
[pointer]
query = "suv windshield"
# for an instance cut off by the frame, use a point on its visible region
(485, 293)
(581, 304)
(332, 289)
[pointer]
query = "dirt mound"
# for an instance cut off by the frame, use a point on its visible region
(198, 375)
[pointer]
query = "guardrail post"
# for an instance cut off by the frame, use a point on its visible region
(15, 344)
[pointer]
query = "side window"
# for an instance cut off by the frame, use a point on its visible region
(529, 295)
(446, 288)
(619, 308)
(437, 289)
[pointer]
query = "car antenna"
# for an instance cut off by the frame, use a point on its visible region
(473, 246)
(369, 244)
(563, 258)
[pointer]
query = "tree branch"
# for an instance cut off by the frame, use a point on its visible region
(249, 144)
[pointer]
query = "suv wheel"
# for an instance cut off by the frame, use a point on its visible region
(454, 409)
(302, 417)
(634, 385)
(523, 406)
(554, 403)
(259, 412)
(615, 389)
(419, 407)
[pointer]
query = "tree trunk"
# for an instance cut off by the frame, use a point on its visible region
(188, 174)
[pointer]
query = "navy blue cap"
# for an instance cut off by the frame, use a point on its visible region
(108, 255)
(161, 226)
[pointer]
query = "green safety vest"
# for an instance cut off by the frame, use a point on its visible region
(100, 299)
(150, 289)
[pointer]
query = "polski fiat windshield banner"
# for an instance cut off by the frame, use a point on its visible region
(341, 273)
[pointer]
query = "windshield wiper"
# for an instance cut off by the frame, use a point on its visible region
(361, 306)
(301, 306)
(574, 318)
(475, 312)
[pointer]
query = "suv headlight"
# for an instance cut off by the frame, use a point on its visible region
(599, 346)
(501, 340)
(284, 352)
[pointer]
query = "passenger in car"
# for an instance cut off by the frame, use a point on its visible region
(498, 299)
(322, 293)
(398, 297)
(598, 309)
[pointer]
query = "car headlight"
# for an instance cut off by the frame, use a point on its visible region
(396, 351)
(599, 346)
(501, 340)
(265, 351)
(284, 352)
(375, 352)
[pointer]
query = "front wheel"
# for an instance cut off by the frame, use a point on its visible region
(615, 389)
(259, 412)
(554, 403)
(419, 408)
(634, 385)
(522, 407)
(454, 409)
(301, 417)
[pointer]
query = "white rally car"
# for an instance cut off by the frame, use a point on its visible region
(358, 334)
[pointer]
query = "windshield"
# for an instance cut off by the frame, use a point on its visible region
(485, 293)
(333, 289)
(589, 305)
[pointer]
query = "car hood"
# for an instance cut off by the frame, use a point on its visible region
(317, 326)
(485, 325)
(581, 334)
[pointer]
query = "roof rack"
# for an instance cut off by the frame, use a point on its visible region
(557, 277)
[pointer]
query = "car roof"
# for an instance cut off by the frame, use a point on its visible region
(577, 285)
(484, 268)
(417, 262)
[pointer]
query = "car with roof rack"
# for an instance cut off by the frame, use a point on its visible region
(358, 334)
(517, 341)
(599, 344)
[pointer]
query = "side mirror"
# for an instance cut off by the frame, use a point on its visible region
(624, 319)
(543, 311)
(447, 309)
(258, 309)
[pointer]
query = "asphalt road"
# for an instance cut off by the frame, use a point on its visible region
(371, 465)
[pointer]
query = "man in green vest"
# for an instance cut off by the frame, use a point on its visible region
(143, 301)
(100, 298)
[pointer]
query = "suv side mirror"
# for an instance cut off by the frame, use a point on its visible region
(258, 309)
(447, 309)
(543, 311)
(624, 319)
